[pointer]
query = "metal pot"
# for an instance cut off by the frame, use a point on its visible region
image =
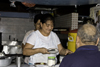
(15, 49)
(12, 48)
(6, 49)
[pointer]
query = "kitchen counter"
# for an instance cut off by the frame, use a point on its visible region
(14, 65)
(25, 65)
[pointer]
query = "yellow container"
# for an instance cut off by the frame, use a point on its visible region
(71, 44)
(72, 37)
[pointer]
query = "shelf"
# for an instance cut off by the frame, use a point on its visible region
(64, 31)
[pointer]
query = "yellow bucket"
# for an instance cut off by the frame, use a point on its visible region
(72, 37)
(71, 44)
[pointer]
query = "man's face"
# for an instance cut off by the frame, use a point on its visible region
(47, 27)
(37, 25)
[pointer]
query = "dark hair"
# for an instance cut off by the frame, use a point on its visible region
(46, 17)
(37, 17)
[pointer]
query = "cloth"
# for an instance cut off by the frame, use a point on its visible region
(85, 56)
(40, 41)
(26, 60)
(26, 36)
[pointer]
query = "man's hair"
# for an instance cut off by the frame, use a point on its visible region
(37, 17)
(88, 33)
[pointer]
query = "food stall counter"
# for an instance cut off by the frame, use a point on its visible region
(14, 65)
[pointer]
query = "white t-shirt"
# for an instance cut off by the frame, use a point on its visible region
(26, 36)
(40, 41)
(26, 60)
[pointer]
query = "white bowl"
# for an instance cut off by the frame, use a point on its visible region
(5, 62)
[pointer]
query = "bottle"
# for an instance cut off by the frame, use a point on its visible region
(51, 61)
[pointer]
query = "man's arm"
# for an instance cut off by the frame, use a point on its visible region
(28, 50)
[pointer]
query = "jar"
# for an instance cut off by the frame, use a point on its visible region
(51, 60)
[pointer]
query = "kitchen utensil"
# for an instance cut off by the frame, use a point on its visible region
(15, 49)
(12, 47)
(2, 55)
(5, 62)
(53, 50)
(18, 61)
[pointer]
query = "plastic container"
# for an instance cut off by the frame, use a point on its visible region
(71, 44)
(51, 60)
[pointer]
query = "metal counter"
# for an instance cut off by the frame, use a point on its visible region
(14, 65)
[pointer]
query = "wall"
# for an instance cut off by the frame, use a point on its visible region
(66, 21)
(15, 28)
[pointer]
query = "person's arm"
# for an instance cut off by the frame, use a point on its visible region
(63, 51)
(25, 38)
(27, 50)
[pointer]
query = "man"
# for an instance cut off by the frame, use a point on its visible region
(37, 27)
(86, 54)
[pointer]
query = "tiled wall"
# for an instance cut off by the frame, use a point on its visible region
(68, 20)
(15, 28)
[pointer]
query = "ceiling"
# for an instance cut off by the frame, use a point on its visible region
(60, 6)
(60, 2)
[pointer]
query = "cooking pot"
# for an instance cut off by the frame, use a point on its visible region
(17, 49)
(12, 47)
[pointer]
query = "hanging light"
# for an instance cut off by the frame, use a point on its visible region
(12, 4)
